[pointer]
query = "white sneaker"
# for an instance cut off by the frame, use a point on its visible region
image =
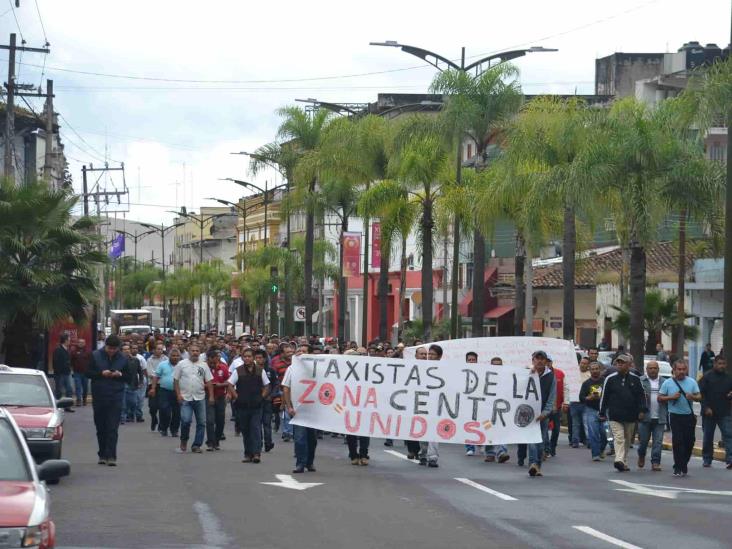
(470, 453)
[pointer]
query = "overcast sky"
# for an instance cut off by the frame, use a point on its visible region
(253, 57)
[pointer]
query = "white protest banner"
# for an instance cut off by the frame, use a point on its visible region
(516, 351)
(440, 401)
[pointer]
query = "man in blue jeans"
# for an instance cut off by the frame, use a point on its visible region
(577, 434)
(590, 395)
(306, 438)
(548, 395)
(654, 422)
(716, 391)
(192, 381)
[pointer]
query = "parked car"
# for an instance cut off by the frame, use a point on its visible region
(25, 519)
(664, 368)
(27, 395)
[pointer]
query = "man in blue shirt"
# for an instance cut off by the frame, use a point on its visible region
(678, 393)
(162, 385)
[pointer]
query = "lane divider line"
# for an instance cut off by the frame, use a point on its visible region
(400, 455)
(604, 537)
(477, 486)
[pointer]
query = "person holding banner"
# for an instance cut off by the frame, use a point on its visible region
(306, 438)
(429, 452)
(548, 388)
(495, 451)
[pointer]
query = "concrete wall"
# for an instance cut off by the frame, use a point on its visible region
(617, 74)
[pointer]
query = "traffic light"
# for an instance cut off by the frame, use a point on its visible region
(273, 276)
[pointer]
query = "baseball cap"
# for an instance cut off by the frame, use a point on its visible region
(624, 357)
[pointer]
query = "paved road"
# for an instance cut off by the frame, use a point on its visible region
(156, 498)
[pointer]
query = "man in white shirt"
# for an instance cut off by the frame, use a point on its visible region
(306, 438)
(156, 358)
(653, 423)
(192, 381)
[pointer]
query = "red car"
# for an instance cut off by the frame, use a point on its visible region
(27, 395)
(24, 498)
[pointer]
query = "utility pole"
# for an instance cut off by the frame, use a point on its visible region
(12, 92)
(727, 321)
(48, 160)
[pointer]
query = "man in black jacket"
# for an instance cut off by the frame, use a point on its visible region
(623, 403)
(62, 369)
(109, 372)
(716, 391)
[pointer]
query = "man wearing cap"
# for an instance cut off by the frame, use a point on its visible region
(623, 402)
(548, 388)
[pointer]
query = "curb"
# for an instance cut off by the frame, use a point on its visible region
(719, 454)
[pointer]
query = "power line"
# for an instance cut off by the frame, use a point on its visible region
(331, 77)
(103, 156)
(43, 27)
(15, 16)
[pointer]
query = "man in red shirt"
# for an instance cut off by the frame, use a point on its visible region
(560, 405)
(216, 410)
(280, 363)
(80, 359)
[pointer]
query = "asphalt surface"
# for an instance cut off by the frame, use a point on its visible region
(157, 498)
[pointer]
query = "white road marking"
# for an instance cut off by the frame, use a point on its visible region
(668, 492)
(288, 481)
(604, 537)
(400, 455)
(213, 531)
(468, 482)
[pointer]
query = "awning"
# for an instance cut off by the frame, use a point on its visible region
(498, 312)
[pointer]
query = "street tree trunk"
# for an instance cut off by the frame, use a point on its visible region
(402, 286)
(624, 276)
(454, 309)
(680, 336)
(519, 295)
(342, 285)
(569, 249)
(427, 291)
(384, 295)
(308, 266)
(637, 302)
(478, 283)
(529, 276)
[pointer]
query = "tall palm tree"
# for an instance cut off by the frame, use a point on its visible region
(304, 131)
(389, 200)
(48, 263)
(550, 134)
(475, 106)
(634, 152)
(421, 161)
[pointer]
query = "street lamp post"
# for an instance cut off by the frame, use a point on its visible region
(162, 231)
(135, 238)
(442, 64)
(286, 173)
(200, 221)
(243, 211)
(273, 271)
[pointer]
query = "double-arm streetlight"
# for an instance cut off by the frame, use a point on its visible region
(443, 64)
(135, 238)
(283, 170)
(265, 197)
(200, 221)
(162, 230)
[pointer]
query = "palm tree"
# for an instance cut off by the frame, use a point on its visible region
(48, 263)
(420, 160)
(660, 315)
(475, 107)
(351, 157)
(214, 278)
(634, 151)
(694, 187)
(389, 200)
(182, 287)
(303, 132)
(550, 134)
(134, 285)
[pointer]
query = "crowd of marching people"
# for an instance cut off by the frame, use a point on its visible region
(189, 383)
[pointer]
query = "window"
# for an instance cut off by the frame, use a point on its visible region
(24, 390)
(13, 464)
(470, 151)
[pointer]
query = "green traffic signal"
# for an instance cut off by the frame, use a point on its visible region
(274, 288)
